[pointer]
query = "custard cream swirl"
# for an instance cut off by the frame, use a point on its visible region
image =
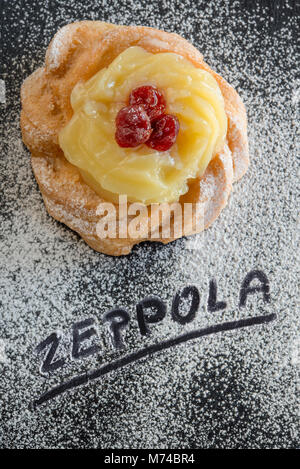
(143, 174)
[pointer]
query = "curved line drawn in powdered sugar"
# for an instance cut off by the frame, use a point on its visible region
(2, 92)
(97, 373)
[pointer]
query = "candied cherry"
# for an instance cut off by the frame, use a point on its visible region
(151, 98)
(133, 126)
(165, 131)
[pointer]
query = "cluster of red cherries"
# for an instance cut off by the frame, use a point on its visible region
(144, 121)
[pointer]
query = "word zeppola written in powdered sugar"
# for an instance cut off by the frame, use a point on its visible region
(84, 335)
(85, 338)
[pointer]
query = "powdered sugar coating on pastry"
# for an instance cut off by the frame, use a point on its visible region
(76, 52)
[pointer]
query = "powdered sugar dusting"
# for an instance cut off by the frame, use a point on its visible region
(232, 390)
(57, 49)
(2, 92)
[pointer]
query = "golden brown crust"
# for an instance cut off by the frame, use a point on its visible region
(76, 53)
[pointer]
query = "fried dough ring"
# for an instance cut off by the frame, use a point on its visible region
(76, 53)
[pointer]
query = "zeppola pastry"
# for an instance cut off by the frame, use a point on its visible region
(134, 112)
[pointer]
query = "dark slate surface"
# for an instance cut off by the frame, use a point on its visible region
(233, 389)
